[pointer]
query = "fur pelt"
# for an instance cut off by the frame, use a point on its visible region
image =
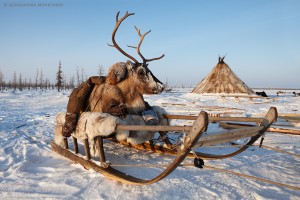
(60, 121)
(92, 124)
(138, 137)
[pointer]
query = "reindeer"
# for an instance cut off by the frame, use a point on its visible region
(120, 92)
(125, 83)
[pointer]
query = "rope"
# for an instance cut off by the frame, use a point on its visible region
(139, 165)
(253, 177)
(279, 150)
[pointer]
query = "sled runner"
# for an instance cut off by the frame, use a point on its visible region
(193, 140)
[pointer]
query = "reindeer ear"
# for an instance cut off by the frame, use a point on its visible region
(130, 65)
(116, 73)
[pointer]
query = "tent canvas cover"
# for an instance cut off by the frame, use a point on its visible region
(222, 80)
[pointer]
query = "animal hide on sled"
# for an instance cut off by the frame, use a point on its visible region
(92, 124)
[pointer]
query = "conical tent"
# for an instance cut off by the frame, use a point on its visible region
(222, 80)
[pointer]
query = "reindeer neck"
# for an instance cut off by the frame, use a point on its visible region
(133, 99)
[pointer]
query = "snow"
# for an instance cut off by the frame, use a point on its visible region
(29, 169)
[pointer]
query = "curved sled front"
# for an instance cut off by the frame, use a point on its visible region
(199, 126)
(266, 122)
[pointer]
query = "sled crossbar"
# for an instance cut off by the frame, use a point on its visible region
(214, 119)
(184, 128)
(228, 125)
(218, 138)
(153, 128)
(228, 136)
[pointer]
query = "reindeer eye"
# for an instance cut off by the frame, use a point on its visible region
(141, 73)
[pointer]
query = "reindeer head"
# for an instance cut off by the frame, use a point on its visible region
(139, 74)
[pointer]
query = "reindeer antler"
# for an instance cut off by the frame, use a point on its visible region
(142, 36)
(118, 23)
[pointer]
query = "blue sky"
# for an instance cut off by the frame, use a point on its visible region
(261, 38)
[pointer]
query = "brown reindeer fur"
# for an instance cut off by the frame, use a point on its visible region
(120, 93)
(123, 90)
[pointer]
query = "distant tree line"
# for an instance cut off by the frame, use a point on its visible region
(40, 82)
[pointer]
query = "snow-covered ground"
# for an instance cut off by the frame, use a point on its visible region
(30, 170)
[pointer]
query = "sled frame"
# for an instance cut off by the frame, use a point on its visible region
(192, 140)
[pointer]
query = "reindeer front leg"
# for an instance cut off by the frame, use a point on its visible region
(119, 110)
(149, 115)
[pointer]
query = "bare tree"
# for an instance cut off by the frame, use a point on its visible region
(78, 76)
(2, 83)
(101, 70)
(29, 84)
(72, 82)
(36, 78)
(14, 83)
(20, 82)
(59, 78)
(41, 79)
(47, 84)
(167, 87)
(65, 84)
(82, 75)
(9, 85)
(25, 83)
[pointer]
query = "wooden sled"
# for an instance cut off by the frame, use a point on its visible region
(193, 138)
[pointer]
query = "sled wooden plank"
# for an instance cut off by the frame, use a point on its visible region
(99, 142)
(285, 130)
(230, 125)
(200, 125)
(153, 128)
(152, 147)
(246, 96)
(228, 136)
(87, 149)
(66, 143)
(290, 117)
(75, 145)
(227, 125)
(211, 118)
